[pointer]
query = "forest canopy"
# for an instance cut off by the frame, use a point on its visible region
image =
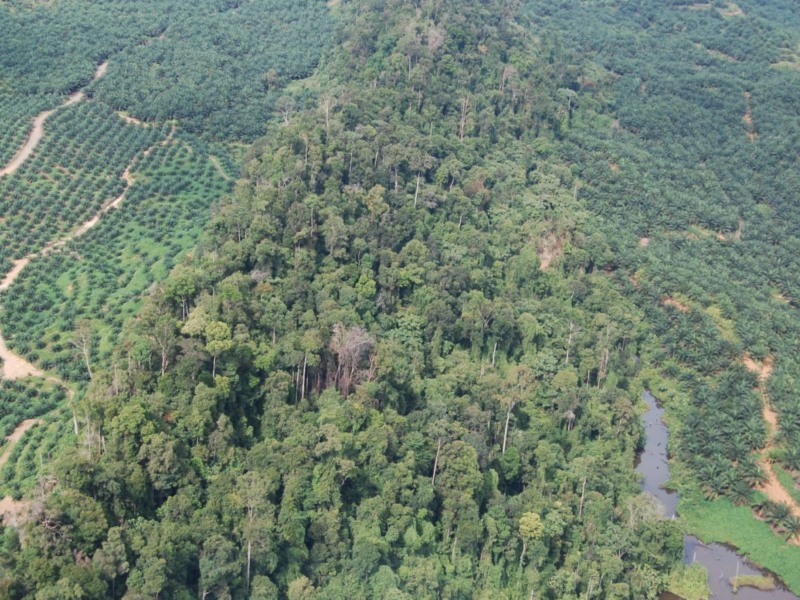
(403, 356)
(394, 368)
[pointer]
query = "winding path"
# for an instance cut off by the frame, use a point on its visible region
(772, 487)
(35, 136)
(14, 366)
(13, 511)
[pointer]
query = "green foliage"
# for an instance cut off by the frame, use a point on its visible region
(20, 400)
(400, 362)
(218, 66)
(102, 275)
(690, 582)
(398, 329)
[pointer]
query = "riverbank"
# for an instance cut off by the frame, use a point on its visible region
(716, 521)
(720, 521)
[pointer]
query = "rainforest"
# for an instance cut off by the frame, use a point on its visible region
(310, 300)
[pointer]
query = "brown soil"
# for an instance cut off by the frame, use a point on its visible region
(614, 167)
(16, 367)
(670, 301)
(131, 120)
(763, 370)
(550, 248)
(29, 146)
(14, 512)
(12, 275)
(644, 242)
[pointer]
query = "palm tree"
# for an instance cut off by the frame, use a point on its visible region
(792, 526)
(737, 449)
(790, 457)
(777, 513)
(753, 433)
(740, 493)
(752, 472)
(714, 487)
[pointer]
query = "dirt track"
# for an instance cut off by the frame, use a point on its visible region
(17, 436)
(215, 161)
(772, 488)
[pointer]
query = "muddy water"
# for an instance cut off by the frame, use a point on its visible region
(721, 562)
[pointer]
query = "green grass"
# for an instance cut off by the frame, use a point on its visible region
(721, 521)
(760, 582)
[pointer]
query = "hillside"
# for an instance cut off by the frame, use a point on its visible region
(394, 367)
(395, 346)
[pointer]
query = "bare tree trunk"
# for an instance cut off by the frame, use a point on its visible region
(436, 462)
(303, 384)
(416, 191)
(505, 432)
(328, 104)
(494, 354)
(88, 365)
(249, 555)
(583, 492)
(569, 341)
(463, 123)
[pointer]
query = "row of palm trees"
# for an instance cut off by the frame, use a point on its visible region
(63, 184)
(780, 516)
(113, 264)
